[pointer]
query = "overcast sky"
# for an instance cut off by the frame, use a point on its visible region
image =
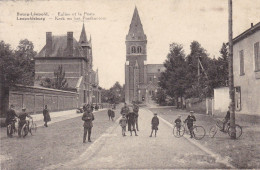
(164, 22)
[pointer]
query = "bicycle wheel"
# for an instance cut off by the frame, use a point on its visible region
(24, 130)
(178, 132)
(9, 130)
(34, 127)
(199, 132)
(238, 131)
(213, 131)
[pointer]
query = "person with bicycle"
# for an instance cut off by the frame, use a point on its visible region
(10, 119)
(190, 119)
(226, 120)
(178, 124)
(22, 121)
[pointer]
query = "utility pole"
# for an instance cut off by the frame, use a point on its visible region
(231, 76)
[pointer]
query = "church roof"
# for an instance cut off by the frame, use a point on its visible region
(136, 31)
(83, 37)
(155, 68)
(59, 48)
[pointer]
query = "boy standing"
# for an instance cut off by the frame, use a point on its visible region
(178, 124)
(123, 122)
(155, 124)
(190, 119)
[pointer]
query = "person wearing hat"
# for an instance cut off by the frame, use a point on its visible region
(10, 119)
(87, 117)
(155, 124)
(22, 121)
(190, 119)
(227, 118)
(46, 116)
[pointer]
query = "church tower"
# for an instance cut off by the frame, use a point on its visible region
(135, 72)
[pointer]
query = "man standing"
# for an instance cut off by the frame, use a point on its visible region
(87, 117)
(155, 124)
(136, 110)
(46, 116)
(22, 121)
(10, 116)
(125, 110)
(131, 122)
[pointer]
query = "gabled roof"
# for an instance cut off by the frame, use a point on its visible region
(136, 28)
(248, 32)
(59, 48)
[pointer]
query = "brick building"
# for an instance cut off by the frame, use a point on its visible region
(76, 59)
(246, 61)
(141, 79)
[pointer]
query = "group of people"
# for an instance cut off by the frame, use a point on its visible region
(129, 118)
(11, 119)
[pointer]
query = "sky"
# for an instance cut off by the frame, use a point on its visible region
(164, 22)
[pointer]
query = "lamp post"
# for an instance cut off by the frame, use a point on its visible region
(231, 76)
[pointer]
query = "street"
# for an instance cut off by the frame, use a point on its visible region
(112, 150)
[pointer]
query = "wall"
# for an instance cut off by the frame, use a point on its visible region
(221, 99)
(34, 99)
(250, 81)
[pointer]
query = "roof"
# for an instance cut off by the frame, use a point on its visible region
(59, 48)
(155, 68)
(247, 33)
(136, 31)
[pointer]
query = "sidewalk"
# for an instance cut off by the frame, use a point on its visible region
(58, 116)
(241, 153)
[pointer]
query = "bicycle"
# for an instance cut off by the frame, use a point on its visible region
(219, 125)
(198, 131)
(29, 126)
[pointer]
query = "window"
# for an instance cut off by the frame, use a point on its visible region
(133, 50)
(257, 56)
(150, 78)
(238, 98)
(242, 69)
(139, 49)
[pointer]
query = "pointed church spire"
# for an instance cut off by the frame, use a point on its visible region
(83, 36)
(136, 28)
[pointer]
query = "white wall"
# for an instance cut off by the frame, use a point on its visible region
(221, 99)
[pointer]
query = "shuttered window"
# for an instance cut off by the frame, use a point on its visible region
(242, 69)
(257, 56)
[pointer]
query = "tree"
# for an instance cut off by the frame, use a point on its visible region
(198, 64)
(173, 79)
(16, 67)
(160, 97)
(114, 95)
(58, 82)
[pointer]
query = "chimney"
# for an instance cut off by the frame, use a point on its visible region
(252, 25)
(48, 44)
(70, 44)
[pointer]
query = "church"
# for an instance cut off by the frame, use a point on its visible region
(141, 79)
(76, 60)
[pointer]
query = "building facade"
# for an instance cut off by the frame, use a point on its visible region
(141, 79)
(76, 60)
(246, 61)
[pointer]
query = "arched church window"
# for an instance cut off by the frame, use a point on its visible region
(139, 49)
(133, 49)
